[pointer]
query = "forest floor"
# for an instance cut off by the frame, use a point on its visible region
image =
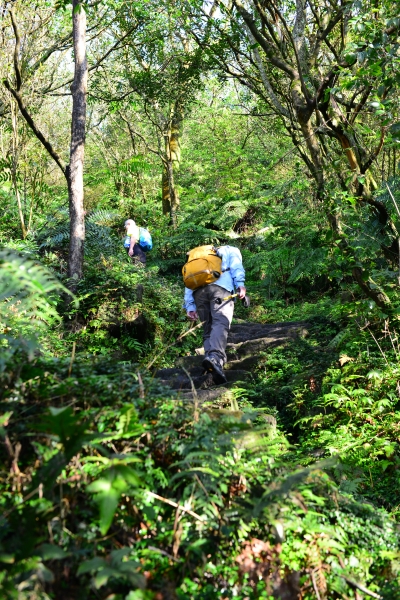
(258, 488)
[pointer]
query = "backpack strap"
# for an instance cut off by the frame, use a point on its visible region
(216, 248)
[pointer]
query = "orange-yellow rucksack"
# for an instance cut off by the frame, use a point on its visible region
(203, 267)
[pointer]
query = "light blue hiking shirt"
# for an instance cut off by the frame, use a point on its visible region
(229, 280)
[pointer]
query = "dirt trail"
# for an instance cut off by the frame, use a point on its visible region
(245, 342)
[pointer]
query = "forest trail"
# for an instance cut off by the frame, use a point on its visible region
(245, 342)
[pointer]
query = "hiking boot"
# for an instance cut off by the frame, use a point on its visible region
(212, 366)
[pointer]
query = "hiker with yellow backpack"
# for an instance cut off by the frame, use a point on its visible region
(210, 277)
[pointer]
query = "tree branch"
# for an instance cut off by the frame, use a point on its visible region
(298, 37)
(266, 22)
(265, 45)
(17, 49)
(56, 47)
(257, 59)
(362, 588)
(364, 168)
(35, 129)
(298, 47)
(359, 106)
(98, 63)
(378, 297)
(132, 133)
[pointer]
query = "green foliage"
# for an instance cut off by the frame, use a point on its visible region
(100, 239)
(28, 300)
(113, 487)
(233, 479)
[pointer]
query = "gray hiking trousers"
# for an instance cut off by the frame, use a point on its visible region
(217, 317)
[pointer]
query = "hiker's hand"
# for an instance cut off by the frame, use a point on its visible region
(241, 292)
(130, 252)
(192, 315)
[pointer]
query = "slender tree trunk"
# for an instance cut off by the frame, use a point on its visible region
(170, 197)
(19, 203)
(166, 201)
(77, 150)
(173, 195)
(14, 168)
(175, 137)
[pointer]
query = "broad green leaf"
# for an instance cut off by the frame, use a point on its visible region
(89, 566)
(51, 552)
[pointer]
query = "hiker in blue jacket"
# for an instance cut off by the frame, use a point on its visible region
(207, 304)
(131, 242)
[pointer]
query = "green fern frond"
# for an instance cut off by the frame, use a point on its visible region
(104, 217)
(28, 301)
(338, 340)
(100, 239)
(5, 169)
(56, 237)
(27, 289)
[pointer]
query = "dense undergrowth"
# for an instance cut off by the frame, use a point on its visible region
(112, 487)
(272, 127)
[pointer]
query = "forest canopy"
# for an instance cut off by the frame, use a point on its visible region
(270, 126)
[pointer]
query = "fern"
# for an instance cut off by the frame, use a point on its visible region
(100, 239)
(57, 237)
(6, 165)
(28, 296)
(338, 339)
(308, 263)
(126, 169)
(218, 212)
(104, 217)
(25, 287)
(56, 232)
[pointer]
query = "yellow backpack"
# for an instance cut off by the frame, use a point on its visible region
(203, 267)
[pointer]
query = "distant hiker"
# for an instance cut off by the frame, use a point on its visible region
(137, 241)
(210, 276)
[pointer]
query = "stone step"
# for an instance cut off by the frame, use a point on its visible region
(240, 415)
(253, 347)
(204, 395)
(244, 343)
(245, 339)
(171, 373)
(190, 362)
(232, 376)
(178, 380)
(243, 332)
(243, 364)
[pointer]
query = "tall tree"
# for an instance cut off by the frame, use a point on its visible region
(26, 65)
(162, 69)
(322, 69)
(74, 171)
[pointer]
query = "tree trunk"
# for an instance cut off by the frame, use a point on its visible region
(173, 195)
(77, 149)
(166, 201)
(174, 140)
(14, 169)
(170, 197)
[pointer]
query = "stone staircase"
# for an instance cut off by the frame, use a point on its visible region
(245, 342)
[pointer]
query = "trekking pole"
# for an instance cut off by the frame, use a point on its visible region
(191, 329)
(245, 300)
